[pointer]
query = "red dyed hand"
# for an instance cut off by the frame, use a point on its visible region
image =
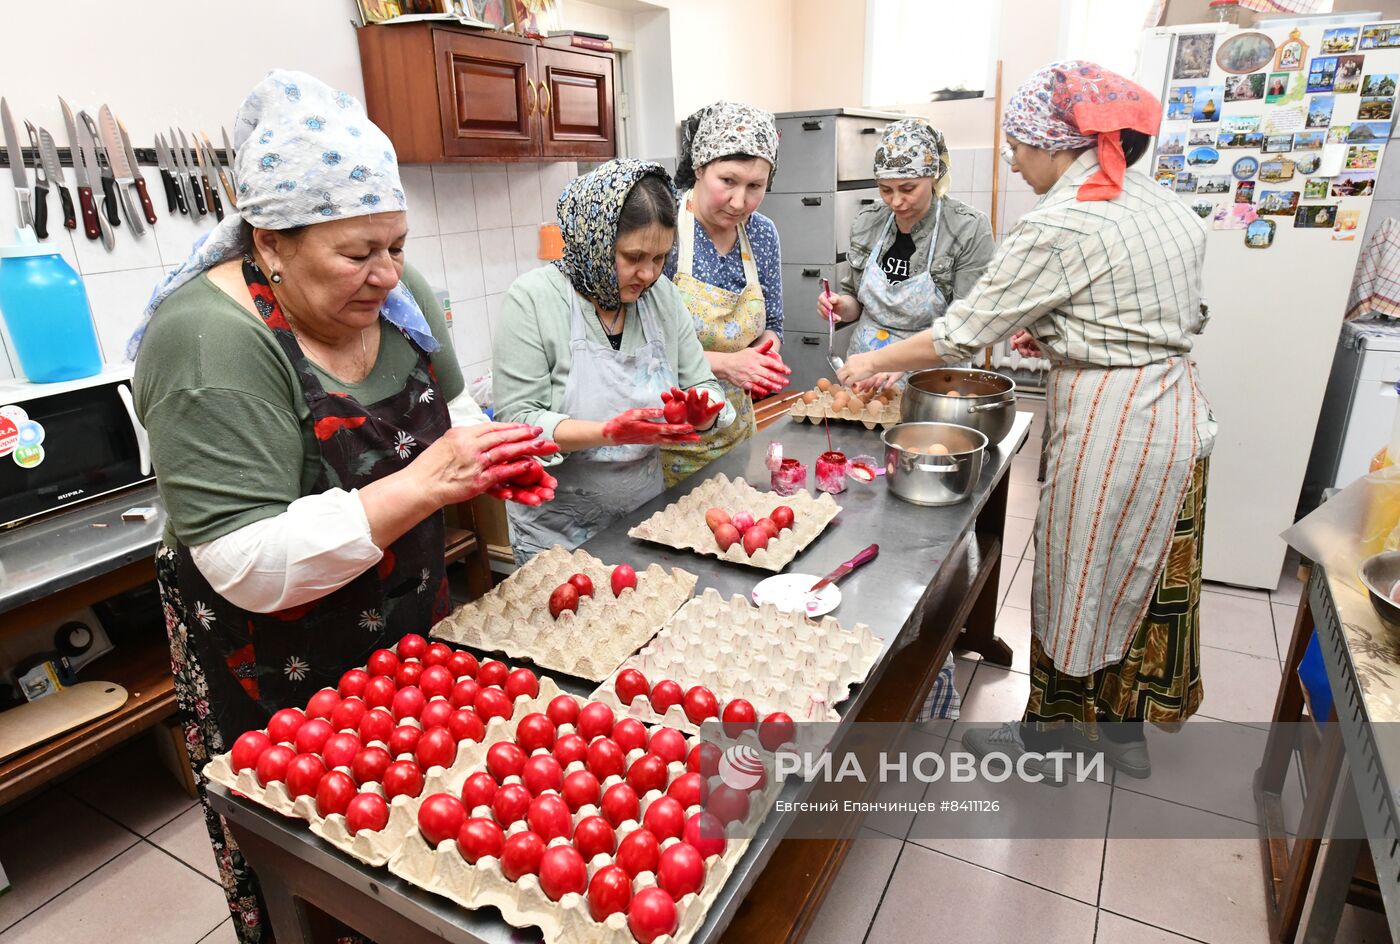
(759, 370)
(692, 406)
(532, 487)
(638, 427)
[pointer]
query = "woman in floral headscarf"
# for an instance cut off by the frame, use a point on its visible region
(590, 346)
(927, 248)
(1105, 275)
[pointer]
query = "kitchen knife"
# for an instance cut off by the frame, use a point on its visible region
(219, 168)
(88, 147)
(211, 188)
(80, 174)
(197, 187)
(182, 175)
(102, 166)
(864, 557)
(122, 172)
(48, 155)
(41, 185)
(23, 196)
(138, 178)
(174, 199)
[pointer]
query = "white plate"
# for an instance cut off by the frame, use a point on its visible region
(789, 592)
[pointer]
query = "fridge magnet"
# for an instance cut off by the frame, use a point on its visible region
(1322, 73)
(1203, 208)
(1323, 216)
(1348, 222)
(1283, 119)
(1178, 111)
(1291, 53)
(1193, 56)
(1364, 132)
(1213, 183)
(1277, 143)
(1202, 156)
(1259, 234)
(1276, 89)
(1184, 183)
(1247, 52)
(1363, 157)
(1380, 36)
(1354, 183)
(1173, 142)
(1379, 85)
(1170, 163)
(1340, 40)
(1201, 136)
(1348, 74)
(1241, 123)
(1308, 163)
(1207, 104)
(1278, 202)
(1167, 180)
(1181, 95)
(1276, 170)
(1233, 216)
(1309, 140)
(1316, 189)
(1333, 157)
(1245, 168)
(1375, 108)
(1244, 88)
(1320, 111)
(1240, 139)
(1336, 134)
(1244, 193)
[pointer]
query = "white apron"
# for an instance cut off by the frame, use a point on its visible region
(1120, 447)
(893, 311)
(598, 486)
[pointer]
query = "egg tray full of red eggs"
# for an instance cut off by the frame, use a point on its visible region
(593, 828)
(355, 762)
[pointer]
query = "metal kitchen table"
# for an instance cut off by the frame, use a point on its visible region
(936, 580)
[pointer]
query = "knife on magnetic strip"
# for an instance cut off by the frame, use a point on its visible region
(174, 197)
(48, 155)
(138, 178)
(88, 147)
(123, 174)
(80, 174)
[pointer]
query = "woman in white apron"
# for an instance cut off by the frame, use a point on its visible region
(916, 252)
(726, 266)
(1105, 274)
(587, 347)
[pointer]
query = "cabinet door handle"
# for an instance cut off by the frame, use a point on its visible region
(811, 126)
(810, 339)
(811, 273)
(546, 100)
(867, 201)
(530, 96)
(869, 130)
(811, 201)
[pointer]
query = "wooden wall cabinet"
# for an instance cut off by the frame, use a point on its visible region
(450, 94)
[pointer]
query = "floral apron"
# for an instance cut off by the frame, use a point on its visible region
(233, 668)
(726, 322)
(893, 311)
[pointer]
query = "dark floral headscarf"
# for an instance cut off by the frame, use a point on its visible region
(588, 212)
(912, 147)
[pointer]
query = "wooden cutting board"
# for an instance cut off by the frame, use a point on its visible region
(29, 724)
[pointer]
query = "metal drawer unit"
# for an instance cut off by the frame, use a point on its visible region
(827, 150)
(804, 331)
(816, 227)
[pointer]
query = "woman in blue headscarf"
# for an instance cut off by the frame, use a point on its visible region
(307, 423)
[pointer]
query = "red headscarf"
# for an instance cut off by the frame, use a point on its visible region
(1077, 105)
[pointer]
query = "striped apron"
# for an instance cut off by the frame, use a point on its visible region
(1120, 447)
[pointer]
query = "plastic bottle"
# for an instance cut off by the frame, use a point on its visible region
(46, 311)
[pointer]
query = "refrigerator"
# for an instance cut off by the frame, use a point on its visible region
(1274, 136)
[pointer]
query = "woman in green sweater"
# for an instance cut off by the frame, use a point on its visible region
(589, 347)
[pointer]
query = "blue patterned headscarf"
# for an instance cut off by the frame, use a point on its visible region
(588, 213)
(306, 154)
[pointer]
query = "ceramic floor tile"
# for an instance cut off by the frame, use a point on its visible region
(1025, 468)
(1238, 687)
(850, 906)
(187, 839)
(1248, 593)
(1009, 565)
(1116, 929)
(936, 897)
(894, 822)
(1284, 617)
(131, 785)
(1016, 537)
(1240, 624)
(49, 843)
(1362, 926)
(1013, 628)
(1205, 888)
(1022, 500)
(995, 695)
(1051, 837)
(1290, 589)
(1019, 595)
(143, 895)
(223, 934)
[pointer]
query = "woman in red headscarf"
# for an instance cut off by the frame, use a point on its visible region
(1104, 277)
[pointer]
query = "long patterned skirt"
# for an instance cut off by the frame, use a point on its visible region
(1159, 679)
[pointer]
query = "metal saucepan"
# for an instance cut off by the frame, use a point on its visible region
(985, 401)
(918, 473)
(1380, 572)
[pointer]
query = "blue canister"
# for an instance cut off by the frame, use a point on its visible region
(46, 311)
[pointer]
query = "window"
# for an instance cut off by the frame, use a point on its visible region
(929, 50)
(1107, 32)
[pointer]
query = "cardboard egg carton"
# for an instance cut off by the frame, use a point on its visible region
(821, 409)
(777, 660)
(523, 903)
(514, 617)
(376, 848)
(681, 524)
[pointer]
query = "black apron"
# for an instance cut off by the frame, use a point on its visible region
(256, 663)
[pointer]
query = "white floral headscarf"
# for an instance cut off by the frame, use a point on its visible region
(727, 129)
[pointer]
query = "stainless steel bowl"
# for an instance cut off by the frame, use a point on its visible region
(917, 476)
(985, 401)
(1379, 573)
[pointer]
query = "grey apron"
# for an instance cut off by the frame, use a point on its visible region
(893, 311)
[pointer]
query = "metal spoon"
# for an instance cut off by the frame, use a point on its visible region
(831, 358)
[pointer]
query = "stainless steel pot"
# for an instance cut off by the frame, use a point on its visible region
(985, 401)
(917, 475)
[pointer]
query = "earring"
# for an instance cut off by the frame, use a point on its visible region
(276, 277)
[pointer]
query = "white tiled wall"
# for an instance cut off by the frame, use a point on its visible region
(472, 230)
(971, 182)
